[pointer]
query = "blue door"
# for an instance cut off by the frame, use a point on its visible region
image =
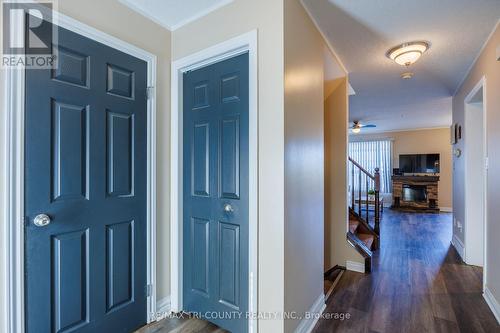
(215, 226)
(85, 169)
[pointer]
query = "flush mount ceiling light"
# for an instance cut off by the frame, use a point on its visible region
(407, 75)
(407, 53)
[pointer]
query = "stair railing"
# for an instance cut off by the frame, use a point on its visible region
(361, 180)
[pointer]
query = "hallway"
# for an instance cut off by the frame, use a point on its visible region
(418, 284)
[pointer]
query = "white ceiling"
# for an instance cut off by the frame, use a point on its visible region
(172, 14)
(362, 31)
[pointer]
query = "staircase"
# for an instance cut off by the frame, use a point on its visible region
(364, 211)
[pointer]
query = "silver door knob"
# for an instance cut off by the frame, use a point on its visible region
(41, 220)
(228, 208)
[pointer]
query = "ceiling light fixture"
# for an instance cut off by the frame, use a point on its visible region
(406, 75)
(356, 130)
(407, 53)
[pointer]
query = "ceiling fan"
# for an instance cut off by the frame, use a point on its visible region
(356, 126)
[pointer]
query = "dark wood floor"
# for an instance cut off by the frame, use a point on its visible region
(418, 284)
(181, 325)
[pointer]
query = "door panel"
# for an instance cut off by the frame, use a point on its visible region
(119, 264)
(70, 277)
(201, 158)
(200, 242)
(215, 201)
(85, 167)
(120, 151)
(69, 147)
(229, 264)
(230, 159)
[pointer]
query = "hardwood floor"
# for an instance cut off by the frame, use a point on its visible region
(418, 284)
(181, 325)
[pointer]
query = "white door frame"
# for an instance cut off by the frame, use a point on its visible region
(467, 100)
(228, 49)
(13, 160)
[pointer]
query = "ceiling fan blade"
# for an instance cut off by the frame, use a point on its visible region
(368, 126)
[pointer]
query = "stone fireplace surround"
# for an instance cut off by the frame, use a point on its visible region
(415, 193)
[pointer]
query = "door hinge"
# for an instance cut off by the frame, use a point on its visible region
(149, 290)
(150, 92)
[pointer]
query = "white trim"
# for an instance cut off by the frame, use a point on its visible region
(446, 209)
(163, 306)
(13, 235)
(492, 303)
(307, 323)
(477, 57)
(197, 15)
(14, 166)
(355, 266)
(140, 10)
(230, 48)
(459, 246)
(200, 14)
(327, 41)
(481, 84)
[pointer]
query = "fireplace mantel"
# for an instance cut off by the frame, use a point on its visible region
(415, 193)
(416, 178)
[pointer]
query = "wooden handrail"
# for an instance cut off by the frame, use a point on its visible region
(362, 169)
(376, 188)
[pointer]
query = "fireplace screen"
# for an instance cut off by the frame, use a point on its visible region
(414, 193)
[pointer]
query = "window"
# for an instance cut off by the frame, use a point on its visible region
(374, 154)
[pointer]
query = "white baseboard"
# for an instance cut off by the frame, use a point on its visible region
(446, 209)
(355, 266)
(307, 323)
(459, 246)
(163, 305)
(492, 303)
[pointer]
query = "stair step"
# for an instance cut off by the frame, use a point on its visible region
(367, 239)
(353, 225)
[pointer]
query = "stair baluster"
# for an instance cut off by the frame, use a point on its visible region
(357, 197)
(377, 201)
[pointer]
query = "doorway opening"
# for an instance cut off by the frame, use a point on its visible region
(475, 175)
(243, 44)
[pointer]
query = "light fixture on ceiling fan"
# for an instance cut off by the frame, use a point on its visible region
(408, 53)
(356, 126)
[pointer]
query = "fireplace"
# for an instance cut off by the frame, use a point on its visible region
(415, 193)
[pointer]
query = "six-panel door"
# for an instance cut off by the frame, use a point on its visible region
(215, 193)
(85, 168)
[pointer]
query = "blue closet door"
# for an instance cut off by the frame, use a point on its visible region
(215, 201)
(85, 168)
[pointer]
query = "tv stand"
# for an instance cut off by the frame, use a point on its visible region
(415, 193)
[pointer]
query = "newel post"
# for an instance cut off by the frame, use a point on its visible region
(377, 201)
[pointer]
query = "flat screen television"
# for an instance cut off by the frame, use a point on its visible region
(419, 163)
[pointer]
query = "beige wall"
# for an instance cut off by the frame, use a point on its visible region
(304, 156)
(337, 250)
(117, 20)
(229, 21)
(422, 142)
(487, 66)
